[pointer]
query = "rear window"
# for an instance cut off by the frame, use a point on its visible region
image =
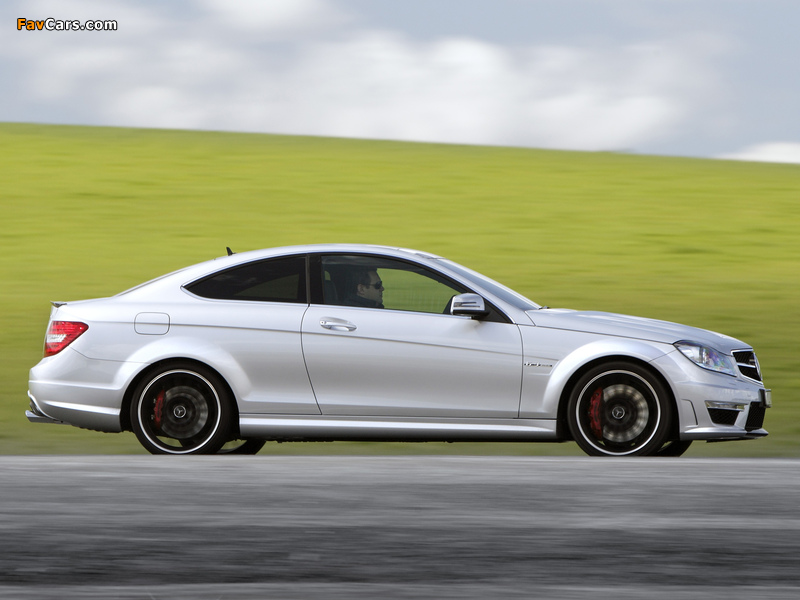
(273, 280)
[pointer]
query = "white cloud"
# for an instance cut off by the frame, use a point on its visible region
(380, 85)
(777, 152)
(282, 17)
(213, 69)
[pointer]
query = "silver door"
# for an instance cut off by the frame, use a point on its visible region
(365, 361)
(407, 359)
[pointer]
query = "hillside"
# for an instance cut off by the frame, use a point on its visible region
(91, 211)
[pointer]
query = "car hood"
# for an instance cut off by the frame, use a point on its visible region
(631, 327)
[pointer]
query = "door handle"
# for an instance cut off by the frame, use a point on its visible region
(336, 324)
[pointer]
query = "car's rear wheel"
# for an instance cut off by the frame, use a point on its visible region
(181, 409)
(619, 409)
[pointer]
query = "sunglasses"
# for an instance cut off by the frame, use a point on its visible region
(377, 285)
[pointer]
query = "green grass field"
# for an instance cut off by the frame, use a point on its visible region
(89, 212)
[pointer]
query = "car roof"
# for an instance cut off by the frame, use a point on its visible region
(251, 255)
(196, 271)
(339, 247)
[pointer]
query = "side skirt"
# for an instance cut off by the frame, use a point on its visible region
(394, 429)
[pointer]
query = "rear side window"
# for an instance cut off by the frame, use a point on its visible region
(273, 280)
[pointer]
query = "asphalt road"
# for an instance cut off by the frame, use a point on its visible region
(235, 527)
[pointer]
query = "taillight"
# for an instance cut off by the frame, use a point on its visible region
(61, 334)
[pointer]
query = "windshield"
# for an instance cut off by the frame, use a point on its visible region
(490, 285)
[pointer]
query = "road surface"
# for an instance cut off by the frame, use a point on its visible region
(246, 527)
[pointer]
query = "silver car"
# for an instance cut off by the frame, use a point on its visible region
(355, 342)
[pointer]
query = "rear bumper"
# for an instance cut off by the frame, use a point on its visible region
(37, 415)
(85, 416)
(70, 388)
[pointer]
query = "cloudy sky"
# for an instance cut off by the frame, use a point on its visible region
(707, 78)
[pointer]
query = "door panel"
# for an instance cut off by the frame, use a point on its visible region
(380, 362)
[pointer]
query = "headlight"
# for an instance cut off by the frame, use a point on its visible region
(706, 357)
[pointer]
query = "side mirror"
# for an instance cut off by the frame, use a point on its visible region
(468, 305)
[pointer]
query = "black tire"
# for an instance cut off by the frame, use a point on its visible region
(181, 409)
(242, 447)
(674, 448)
(620, 409)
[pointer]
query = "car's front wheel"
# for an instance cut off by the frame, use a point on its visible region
(620, 409)
(181, 409)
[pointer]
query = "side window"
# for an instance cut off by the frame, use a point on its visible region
(375, 282)
(272, 280)
(409, 290)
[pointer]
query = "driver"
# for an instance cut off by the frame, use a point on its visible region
(365, 289)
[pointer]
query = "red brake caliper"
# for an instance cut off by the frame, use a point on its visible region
(596, 413)
(158, 409)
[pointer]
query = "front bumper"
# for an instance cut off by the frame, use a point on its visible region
(730, 418)
(714, 406)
